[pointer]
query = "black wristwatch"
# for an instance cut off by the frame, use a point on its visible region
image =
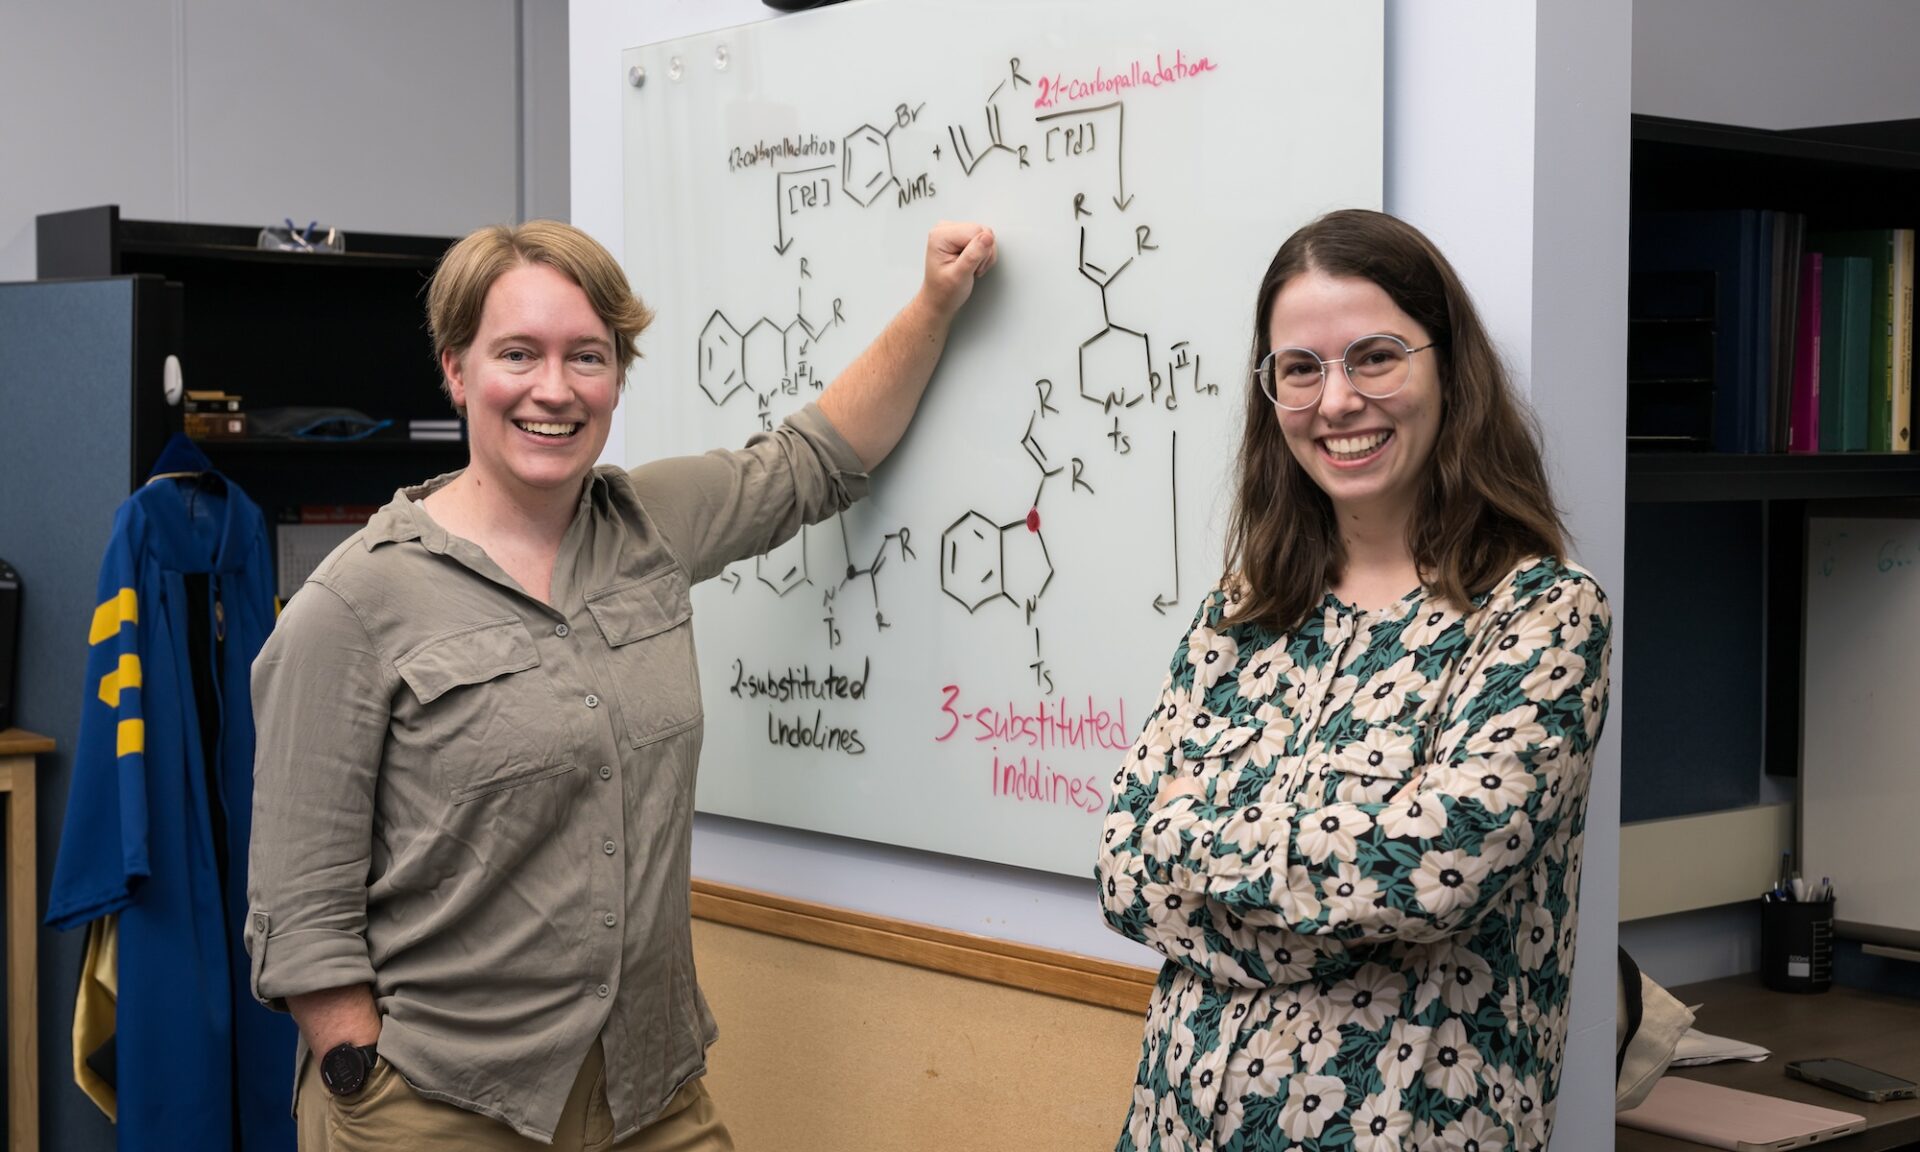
(345, 1067)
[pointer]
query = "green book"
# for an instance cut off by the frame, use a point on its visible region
(1877, 246)
(1846, 358)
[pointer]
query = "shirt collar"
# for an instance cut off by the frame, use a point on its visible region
(404, 519)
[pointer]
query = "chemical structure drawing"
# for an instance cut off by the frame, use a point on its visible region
(770, 358)
(965, 149)
(867, 162)
(900, 541)
(983, 560)
(784, 568)
(1116, 363)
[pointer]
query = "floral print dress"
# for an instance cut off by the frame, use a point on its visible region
(1369, 916)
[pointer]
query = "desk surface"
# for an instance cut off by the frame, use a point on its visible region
(1881, 1032)
(18, 742)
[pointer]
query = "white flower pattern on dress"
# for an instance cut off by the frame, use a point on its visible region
(1367, 916)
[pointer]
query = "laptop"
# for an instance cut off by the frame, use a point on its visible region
(1735, 1120)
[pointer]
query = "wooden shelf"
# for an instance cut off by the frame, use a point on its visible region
(1666, 477)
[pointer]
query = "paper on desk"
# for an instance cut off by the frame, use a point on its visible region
(1697, 1047)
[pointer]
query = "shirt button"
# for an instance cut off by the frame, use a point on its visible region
(603, 991)
(612, 920)
(608, 848)
(561, 630)
(606, 773)
(593, 701)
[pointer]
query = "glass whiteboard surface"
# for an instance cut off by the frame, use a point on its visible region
(959, 662)
(1860, 756)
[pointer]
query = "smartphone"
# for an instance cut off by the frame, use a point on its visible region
(1848, 1078)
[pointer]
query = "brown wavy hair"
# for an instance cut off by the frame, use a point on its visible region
(1484, 505)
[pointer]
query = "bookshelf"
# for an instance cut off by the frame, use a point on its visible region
(280, 329)
(1715, 539)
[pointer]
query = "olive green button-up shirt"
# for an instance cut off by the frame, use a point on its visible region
(481, 804)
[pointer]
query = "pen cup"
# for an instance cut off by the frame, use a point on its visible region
(1796, 945)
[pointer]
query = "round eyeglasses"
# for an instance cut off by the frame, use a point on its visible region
(1377, 366)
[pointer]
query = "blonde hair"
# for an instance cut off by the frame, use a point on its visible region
(457, 294)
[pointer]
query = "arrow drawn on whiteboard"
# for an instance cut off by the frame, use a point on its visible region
(732, 578)
(780, 207)
(1161, 603)
(1120, 166)
(1119, 108)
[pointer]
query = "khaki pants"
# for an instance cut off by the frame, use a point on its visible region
(388, 1114)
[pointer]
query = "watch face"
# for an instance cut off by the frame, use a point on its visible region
(344, 1070)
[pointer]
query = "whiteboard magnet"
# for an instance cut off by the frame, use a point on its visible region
(675, 68)
(720, 58)
(636, 75)
(173, 383)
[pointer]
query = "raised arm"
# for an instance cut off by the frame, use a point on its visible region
(871, 402)
(727, 505)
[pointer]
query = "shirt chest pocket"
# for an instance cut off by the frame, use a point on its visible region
(486, 705)
(648, 626)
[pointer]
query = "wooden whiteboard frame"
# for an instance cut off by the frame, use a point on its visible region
(1064, 974)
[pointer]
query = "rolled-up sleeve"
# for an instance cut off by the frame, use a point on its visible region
(321, 700)
(728, 505)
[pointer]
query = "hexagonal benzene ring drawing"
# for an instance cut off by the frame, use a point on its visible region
(763, 356)
(784, 568)
(866, 164)
(1115, 364)
(1028, 569)
(971, 568)
(721, 367)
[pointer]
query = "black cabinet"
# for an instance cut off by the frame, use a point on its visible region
(281, 330)
(1716, 543)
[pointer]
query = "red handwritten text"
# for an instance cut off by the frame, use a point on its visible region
(1057, 89)
(1032, 780)
(1047, 725)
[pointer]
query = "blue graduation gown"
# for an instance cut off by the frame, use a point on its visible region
(152, 810)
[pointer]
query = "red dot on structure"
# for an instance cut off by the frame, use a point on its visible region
(1033, 519)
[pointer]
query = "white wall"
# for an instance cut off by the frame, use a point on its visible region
(1582, 153)
(1777, 63)
(1507, 142)
(362, 114)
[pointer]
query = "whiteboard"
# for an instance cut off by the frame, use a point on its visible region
(958, 663)
(1860, 752)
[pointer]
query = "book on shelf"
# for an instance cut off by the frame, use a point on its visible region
(1782, 327)
(1846, 353)
(1804, 421)
(1900, 299)
(1877, 246)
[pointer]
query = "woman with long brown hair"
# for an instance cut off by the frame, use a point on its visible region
(1353, 823)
